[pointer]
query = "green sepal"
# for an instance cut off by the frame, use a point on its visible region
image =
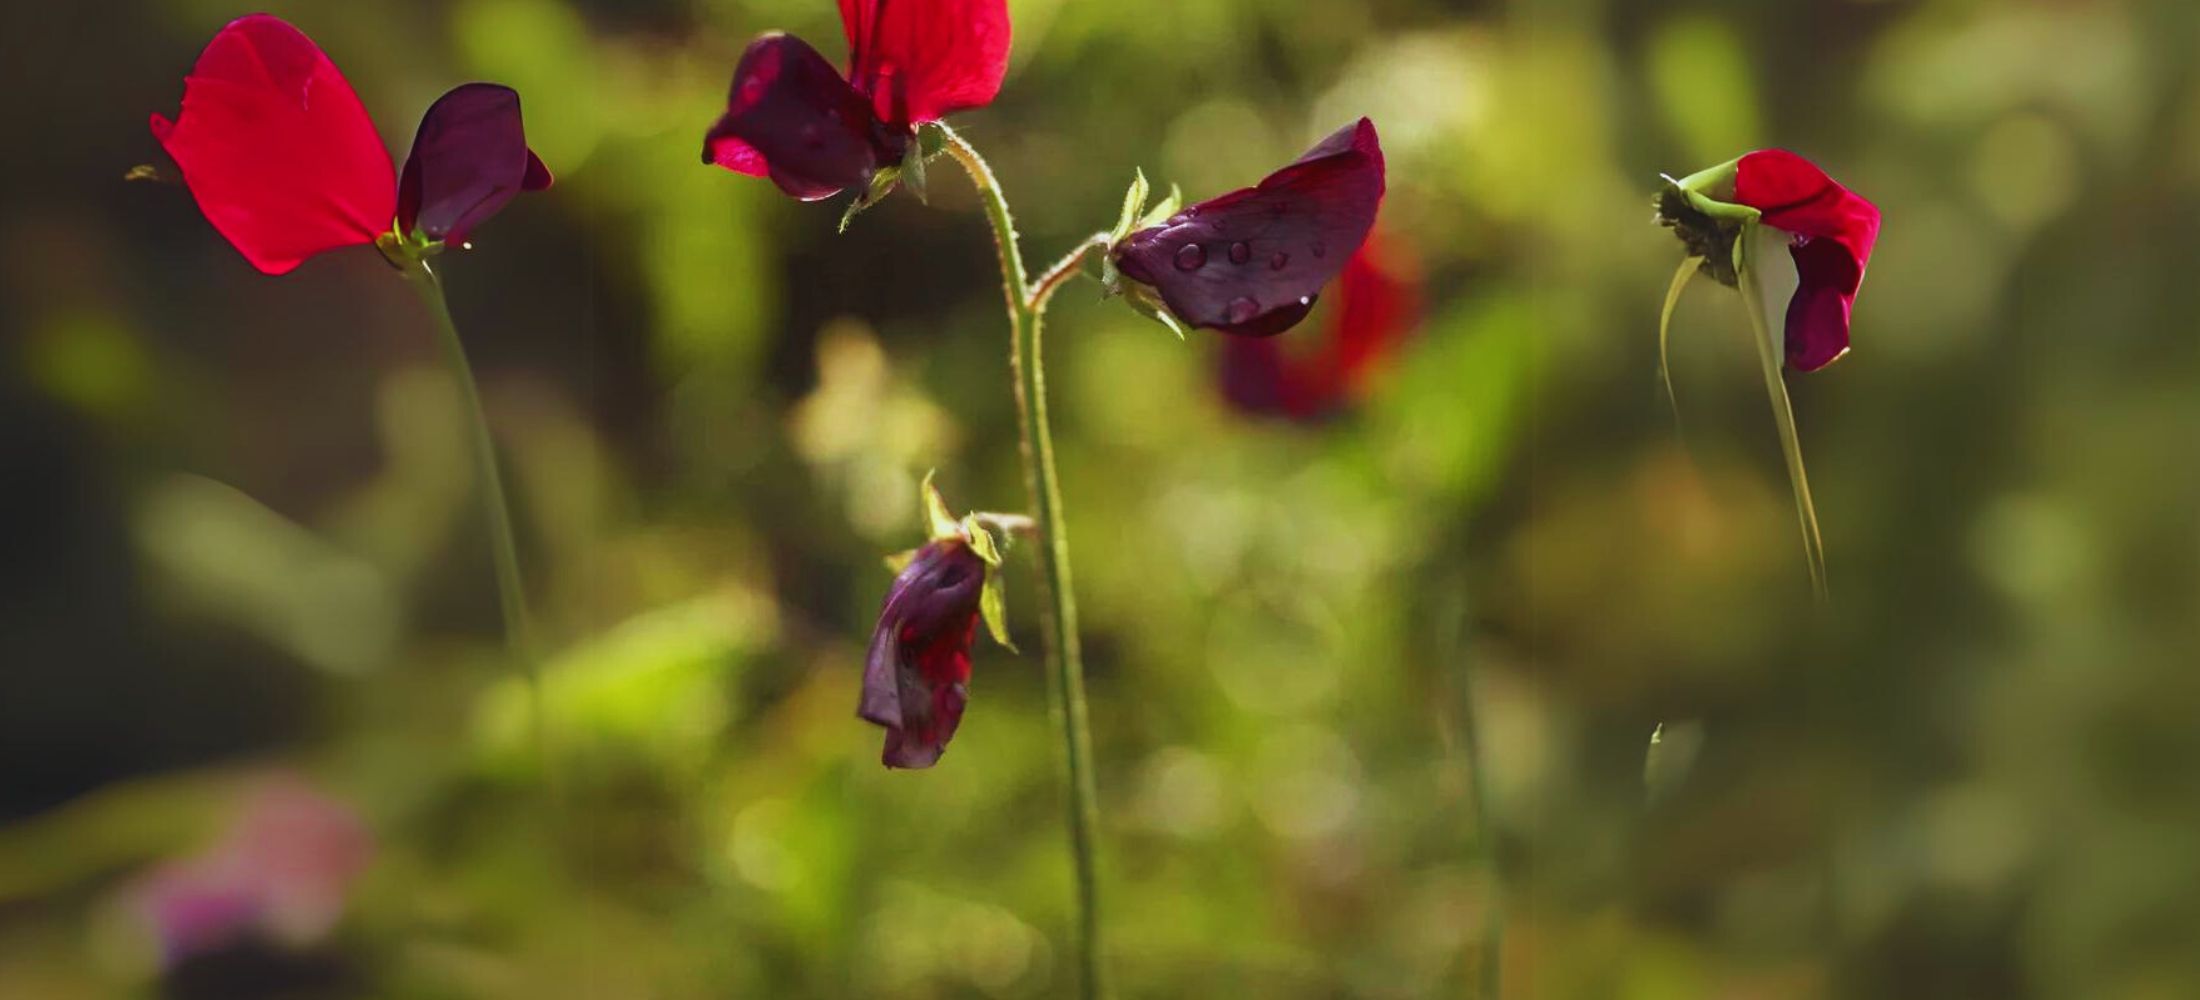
(980, 540)
(1681, 278)
(931, 139)
(994, 609)
(882, 184)
(900, 561)
(912, 172)
(1162, 209)
(939, 524)
(1143, 302)
(1134, 202)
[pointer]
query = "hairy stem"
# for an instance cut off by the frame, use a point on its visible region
(1026, 307)
(504, 549)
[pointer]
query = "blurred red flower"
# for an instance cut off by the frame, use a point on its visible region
(1378, 305)
(285, 162)
(792, 117)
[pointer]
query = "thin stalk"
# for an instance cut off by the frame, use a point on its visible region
(1026, 309)
(504, 549)
(1783, 412)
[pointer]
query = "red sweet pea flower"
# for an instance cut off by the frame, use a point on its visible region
(1832, 230)
(1251, 262)
(793, 118)
(1378, 304)
(286, 164)
(916, 678)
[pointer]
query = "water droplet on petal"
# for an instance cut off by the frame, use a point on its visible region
(1277, 262)
(1240, 252)
(1241, 310)
(1306, 300)
(1191, 258)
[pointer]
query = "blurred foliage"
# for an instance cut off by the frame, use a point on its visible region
(1372, 698)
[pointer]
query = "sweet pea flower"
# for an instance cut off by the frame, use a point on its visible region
(791, 117)
(281, 874)
(284, 161)
(1831, 230)
(1252, 262)
(1377, 305)
(916, 678)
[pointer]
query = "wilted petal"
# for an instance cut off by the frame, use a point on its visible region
(468, 160)
(916, 676)
(790, 117)
(921, 59)
(276, 147)
(1834, 231)
(1251, 262)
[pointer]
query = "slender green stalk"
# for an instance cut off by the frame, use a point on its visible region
(1026, 308)
(1791, 445)
(504, 550)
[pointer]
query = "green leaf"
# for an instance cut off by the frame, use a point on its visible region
(912, 172)
(1134, 201)
(994, 609)
(882, 184)
(939, 524)
(1681, 278)
(1164, 208)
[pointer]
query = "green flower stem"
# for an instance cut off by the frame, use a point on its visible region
(1769, 358)
(1026, 307)
(504, 550)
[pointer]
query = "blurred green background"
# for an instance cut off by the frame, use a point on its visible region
(1371, 697)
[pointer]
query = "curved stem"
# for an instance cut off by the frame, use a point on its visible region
(504, 549)
(1783, 412)
(1026, 307)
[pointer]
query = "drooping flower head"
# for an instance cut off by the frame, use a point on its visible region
(284, 161)
(815, 132)
(916, 677)
(1253, 261)
(1376, 307)
(1831, 230)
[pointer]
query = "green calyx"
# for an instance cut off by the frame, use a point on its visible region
(406, 251)
(1696, 208)
(943, 527)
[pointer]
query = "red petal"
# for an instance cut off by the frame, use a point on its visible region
(921, 59)
(1377, 305)
(790, 117)
(1252, 261)
(276, 147)
(1835, 229)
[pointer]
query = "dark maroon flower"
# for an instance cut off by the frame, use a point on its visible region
(1831, 230)
(1252, 262)
(793, 118)
(286, 164)
(469, 158)
(916, 678)
(1377, 305)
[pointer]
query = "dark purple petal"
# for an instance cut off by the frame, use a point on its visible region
(1818, 315)
(1251, 262)
(468, 160)
(916, 676)
(791, 117)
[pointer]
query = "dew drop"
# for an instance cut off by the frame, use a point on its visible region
(1306, 300)
(1277, 262)
(1191, 258)
(1241, 310)
(1240, 252)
